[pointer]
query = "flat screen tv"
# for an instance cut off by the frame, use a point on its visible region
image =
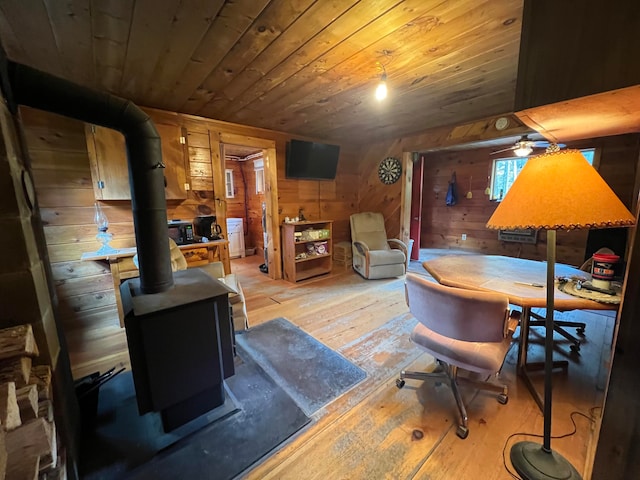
(311, 161)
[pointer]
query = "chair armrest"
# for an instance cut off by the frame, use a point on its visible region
(512, 322)
(394, 242)
(215, 269)
(362, 247)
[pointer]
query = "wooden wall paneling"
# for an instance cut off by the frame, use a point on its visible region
(373, 195)
(616, 454)
(555, 46)
(253, 224)
(303, 30)
(190, 23)
(110, 27)
(228, 27)
(236, 205)
(272, 22)
(32, 20)
(200, 169)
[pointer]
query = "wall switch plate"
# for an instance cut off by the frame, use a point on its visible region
(464, 236)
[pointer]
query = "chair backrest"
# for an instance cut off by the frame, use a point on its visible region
(467, 315)
(368, 227)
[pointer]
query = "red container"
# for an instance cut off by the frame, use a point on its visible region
(603, 264)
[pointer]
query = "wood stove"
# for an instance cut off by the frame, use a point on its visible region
(180, 345)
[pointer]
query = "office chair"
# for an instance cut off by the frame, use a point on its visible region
(560, 325)
(461, 328)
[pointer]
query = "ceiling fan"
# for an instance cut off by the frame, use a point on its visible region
(524, 146)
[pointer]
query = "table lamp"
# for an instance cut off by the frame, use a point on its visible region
(555, 191)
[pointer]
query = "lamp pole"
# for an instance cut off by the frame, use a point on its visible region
(530, 459)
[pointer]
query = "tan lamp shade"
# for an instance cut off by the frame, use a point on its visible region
(559, 191)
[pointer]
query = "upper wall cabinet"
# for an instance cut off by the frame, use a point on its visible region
(109, 171)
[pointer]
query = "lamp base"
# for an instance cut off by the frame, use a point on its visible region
(533, 463)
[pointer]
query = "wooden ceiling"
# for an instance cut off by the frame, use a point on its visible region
(305, 67)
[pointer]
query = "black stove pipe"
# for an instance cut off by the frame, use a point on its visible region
(40, 90)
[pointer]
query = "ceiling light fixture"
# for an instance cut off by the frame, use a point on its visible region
(381, 89)
(523, 150)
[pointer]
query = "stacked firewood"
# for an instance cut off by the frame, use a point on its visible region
(28, 440)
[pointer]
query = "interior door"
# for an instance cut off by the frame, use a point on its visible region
(416, 207)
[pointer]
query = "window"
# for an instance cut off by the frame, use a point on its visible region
(228, 183)
(258, 168)
(505, 171)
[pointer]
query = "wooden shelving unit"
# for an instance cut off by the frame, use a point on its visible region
(300, 244)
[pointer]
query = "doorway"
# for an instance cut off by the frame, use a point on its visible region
(245, 197)
(247, 174)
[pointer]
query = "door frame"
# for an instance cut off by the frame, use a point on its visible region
(217, 141)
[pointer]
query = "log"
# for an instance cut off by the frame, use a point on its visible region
(18, 342)
(23, 468)
(28, 402)
(3, 455)
(41, 376)
(33, 439)
(50, 460)
(45, 410)
(9, 410)
(59, 472)
(15, 370)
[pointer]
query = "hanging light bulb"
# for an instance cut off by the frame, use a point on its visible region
(381, 90)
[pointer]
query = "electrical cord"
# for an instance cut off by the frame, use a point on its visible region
(589, 417)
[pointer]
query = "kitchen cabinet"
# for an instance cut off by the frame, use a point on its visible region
(235, 232)
(109, 169)
(306, 249)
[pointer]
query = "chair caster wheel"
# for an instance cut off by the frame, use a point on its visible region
(462, 432)
(580, 331)
(399, 383)
(575, 348)
(503, 399)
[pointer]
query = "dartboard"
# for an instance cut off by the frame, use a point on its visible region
(389, 170)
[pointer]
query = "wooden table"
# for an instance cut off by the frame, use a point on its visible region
(499, 274)
(122, 267)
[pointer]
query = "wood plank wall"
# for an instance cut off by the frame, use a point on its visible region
(442, 226)
(87, 311)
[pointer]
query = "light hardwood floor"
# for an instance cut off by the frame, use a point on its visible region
(375, 430)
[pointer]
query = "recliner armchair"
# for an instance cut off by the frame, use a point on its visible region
(375, 255)
(461, 328)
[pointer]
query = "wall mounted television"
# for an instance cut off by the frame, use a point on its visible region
(311, 160)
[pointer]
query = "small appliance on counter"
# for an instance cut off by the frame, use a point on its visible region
(181, 232)
(206, 226)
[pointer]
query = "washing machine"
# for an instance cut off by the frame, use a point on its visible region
(235, 232)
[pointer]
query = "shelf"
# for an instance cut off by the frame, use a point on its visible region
(311, 272)
(313, 265)
(300, 242)
(313, 257)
